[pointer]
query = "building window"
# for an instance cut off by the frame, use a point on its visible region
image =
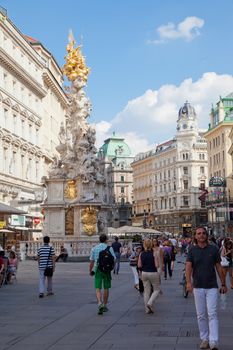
(30, 132)
(174, 202)
(185, 201)
(185, 170)
(5, 118)
(202, 185)
(37, 171)
(5, 158)
(186, 184)
(22, 128)
(122, 190)
(22, 166)
(174, 186)
(202, 170)
(170, 203)
(14, 123)
(122, 178)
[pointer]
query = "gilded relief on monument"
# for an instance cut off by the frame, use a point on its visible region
(89, 220)
(69, 222)
(70, 190)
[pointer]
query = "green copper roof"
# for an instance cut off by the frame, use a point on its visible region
(115, 147)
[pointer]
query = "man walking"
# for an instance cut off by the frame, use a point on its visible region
(46, 258)
(203, 260)
(116, 246)
(102, 279)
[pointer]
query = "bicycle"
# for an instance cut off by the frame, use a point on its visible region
(183, 282)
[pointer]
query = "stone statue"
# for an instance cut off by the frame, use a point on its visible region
(77, 151)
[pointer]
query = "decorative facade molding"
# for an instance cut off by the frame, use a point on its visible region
(21, 73)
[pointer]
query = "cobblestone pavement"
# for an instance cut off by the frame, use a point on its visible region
(68, 320)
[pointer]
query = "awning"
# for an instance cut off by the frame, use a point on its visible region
(7, 209)
(5, 230)
(22, 228)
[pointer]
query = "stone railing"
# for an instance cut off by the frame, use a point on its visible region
(74, 248)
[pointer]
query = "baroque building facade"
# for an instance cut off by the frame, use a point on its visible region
(115, 154)
(32, 107)
(169, 180)
(219, 139)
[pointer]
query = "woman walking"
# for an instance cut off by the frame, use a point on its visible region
(149, 265)
(227, 252)
(133, 262)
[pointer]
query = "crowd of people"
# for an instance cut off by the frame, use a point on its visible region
(207, 260)
(153, 259)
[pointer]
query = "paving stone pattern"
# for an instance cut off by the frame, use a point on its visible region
(68, 320)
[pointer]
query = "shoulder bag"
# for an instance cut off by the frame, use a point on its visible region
(48, 272)
(224, 262)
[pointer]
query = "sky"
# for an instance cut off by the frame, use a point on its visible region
(147, 57)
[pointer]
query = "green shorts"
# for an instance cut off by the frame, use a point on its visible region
(102, 278)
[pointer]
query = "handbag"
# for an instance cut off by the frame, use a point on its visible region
(48, 272)
(224, 262)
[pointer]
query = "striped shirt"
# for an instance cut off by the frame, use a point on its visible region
(43, 254)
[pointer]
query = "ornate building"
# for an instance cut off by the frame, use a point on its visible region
(168, 180)
(116, 156)
(220, 199)
(32, 107)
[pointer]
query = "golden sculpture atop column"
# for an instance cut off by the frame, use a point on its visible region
(75, 66)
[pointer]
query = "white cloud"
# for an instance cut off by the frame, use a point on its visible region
(151, 118)
(188, 29)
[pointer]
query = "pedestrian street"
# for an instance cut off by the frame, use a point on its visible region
(68, 320)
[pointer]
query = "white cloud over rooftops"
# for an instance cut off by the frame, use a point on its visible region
(188, 29)
(151, 118)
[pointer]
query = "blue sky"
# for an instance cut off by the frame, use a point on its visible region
(147, 57)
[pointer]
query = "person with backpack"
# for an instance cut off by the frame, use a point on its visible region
(167, 258)
(102, 261)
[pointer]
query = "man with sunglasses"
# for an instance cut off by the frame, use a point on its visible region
(203, 260)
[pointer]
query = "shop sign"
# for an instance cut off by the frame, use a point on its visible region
(216, 181)
(17, 220)
(186, 225)
(36, 221)
(2, 224)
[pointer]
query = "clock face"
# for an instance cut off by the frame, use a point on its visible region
(185, 126)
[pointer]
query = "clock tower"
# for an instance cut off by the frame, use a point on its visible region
(187, 120)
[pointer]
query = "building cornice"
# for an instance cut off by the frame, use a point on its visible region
(53, 84)
(221, 125)
(21, 74)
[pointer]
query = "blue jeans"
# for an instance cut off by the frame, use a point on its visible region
(117, 265)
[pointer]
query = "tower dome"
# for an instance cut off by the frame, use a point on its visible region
(187, 111)
(187, 119)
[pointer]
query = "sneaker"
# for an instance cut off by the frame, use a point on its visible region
(150, 308)
(213, 346)
(50, 293)
(100, 309)
(41, 295)
(105, 309)
(204, 344)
